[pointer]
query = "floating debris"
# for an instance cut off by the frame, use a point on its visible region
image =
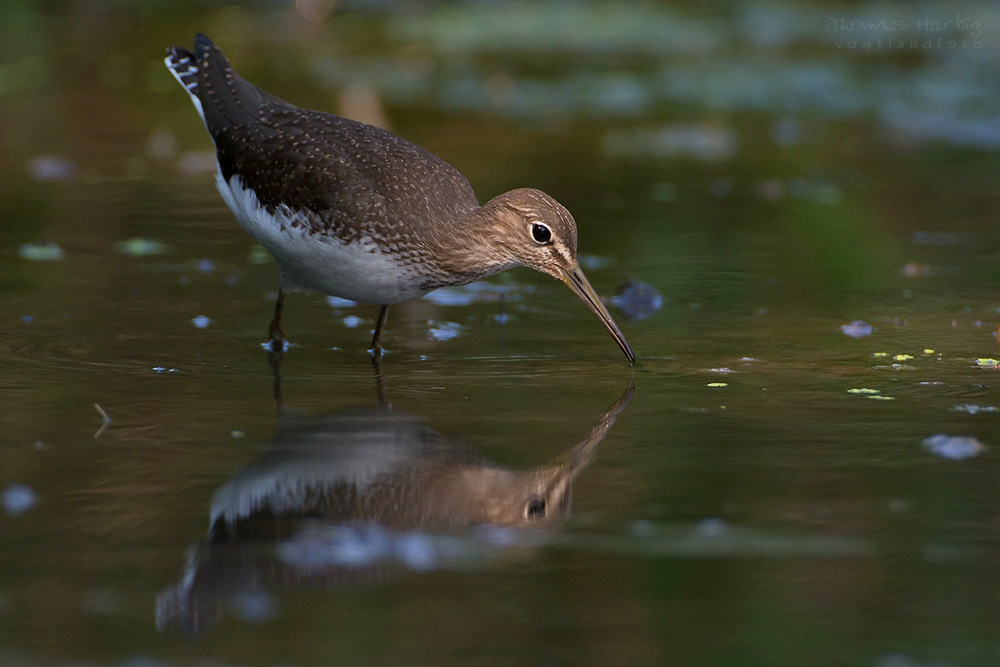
(637, 300)
(51, 168)
(236, 434)
(856, 329)
(717, 384)
(27, 319)
(879, 397)
(18, 498)
(863, 390)
(972, 409)
(337, 302)
(986, 362)
(201, 321)
(954, 447)
(351, 321)
(142, 247)
(444, 330)
(880, 354)
(46, 251)
(903, 357)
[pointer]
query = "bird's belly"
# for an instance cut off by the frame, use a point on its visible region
(358, 270)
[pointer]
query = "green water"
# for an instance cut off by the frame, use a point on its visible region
(747, 507)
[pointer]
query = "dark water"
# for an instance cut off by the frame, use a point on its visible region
(771, 493)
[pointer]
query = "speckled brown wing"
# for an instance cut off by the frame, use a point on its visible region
(350, 178)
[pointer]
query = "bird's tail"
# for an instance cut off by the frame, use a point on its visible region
(184, 66)
(221, 97)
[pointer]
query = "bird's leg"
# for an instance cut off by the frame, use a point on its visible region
(276, 337)
(383, 315)
(383, 401)
(275, 360)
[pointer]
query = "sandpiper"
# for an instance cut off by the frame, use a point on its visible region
(354, 211)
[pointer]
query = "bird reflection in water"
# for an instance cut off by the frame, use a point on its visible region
(349, 498)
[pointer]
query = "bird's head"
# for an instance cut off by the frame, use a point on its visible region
(530, 228)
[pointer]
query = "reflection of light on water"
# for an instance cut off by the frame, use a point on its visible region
(18, 498)
(449, 296)
(142, 247)
(319, 546)
(973, 409)
(444, 330)
(465, 295)
(46, 251)
(856, 329)
(637, 300)
(337, 302)
(954, 447)
(51, 168)
(257, 607)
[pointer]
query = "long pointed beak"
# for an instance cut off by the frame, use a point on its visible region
(578, 282)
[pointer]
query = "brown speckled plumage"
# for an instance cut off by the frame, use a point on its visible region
(355, 180)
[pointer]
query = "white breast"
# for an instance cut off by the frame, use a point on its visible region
(359, 271)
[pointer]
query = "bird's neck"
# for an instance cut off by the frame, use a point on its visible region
(468, 250)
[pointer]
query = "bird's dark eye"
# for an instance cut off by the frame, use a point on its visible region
(535, 509)
(541, 233)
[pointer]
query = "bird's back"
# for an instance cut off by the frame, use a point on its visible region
(351, 180)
